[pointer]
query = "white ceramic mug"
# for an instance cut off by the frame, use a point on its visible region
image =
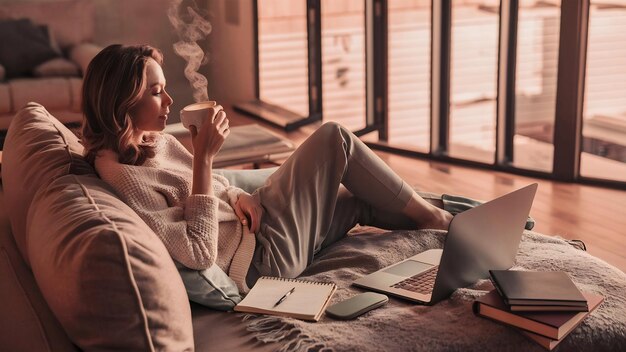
(195, 114)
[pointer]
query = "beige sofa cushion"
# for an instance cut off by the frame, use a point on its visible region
(57, 67)
(37, 150)
(105, 275)
(82, 54)
(55, 93)
(5, 98)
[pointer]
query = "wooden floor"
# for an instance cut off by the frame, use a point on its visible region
(572, 211)
(593, 214)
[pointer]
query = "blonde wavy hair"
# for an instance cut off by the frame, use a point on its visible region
(111, 87)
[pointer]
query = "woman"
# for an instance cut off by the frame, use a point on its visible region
(331, 182)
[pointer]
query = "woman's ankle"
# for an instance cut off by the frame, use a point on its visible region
(438, 202)
(439, 220)
(426, 214)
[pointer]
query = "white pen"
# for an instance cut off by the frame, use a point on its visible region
(284, 297)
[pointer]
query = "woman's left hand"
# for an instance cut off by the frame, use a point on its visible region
(249, 210)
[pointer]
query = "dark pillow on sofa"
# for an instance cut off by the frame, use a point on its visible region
(47, 32)
(23, 46)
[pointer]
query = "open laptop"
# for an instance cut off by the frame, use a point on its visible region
(480, 239)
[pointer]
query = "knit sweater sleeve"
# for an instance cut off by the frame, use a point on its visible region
(189, 229)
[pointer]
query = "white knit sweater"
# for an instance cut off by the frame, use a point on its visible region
(198, 230)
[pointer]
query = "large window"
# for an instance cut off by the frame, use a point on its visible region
(343, 62)
(283, 59)
(604, 118)
(283, 67)
(489, 83)
(474, 68)
(535, 83)
(409, 73)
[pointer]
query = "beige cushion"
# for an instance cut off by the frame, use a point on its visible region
(51, 92)
(76, 87)
(56, 67)
(82, 54)
(5, 99)
(104, 273)
(37, 150)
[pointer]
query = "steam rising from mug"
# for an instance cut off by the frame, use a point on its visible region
(191, 27)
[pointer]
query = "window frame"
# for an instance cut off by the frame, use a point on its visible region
(278, 115)
(571, 65)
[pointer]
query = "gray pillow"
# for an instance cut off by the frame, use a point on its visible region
(248, 180)
(23, 46)
(210, 287)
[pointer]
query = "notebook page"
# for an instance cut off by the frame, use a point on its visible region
(307, 299)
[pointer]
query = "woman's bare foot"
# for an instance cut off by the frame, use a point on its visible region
(440, 220)
(427, 215)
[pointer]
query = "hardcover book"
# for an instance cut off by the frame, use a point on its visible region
(553, 325)
(535, 289)
(546, 342)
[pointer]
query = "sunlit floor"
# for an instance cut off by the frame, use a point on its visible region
(573, 211)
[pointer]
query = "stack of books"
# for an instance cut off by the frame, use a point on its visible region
(545, 306)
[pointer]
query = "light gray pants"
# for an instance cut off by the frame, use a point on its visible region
(330, 183)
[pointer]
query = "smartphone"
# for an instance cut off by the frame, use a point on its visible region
(356, 305)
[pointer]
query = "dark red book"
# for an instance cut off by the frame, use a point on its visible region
(546, 342)
(554, 325)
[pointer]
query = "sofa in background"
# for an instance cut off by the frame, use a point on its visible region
(44, 49)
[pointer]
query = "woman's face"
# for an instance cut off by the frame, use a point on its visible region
(149, 114)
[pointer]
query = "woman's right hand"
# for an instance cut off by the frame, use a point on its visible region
(208, 140)
(249, 209)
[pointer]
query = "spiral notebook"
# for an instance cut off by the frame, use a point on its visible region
(307, 301)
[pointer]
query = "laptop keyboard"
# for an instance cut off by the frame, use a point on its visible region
(421, 283)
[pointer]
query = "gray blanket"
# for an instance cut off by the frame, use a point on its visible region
(449, 325)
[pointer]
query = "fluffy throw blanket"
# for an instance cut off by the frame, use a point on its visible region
(449, 325)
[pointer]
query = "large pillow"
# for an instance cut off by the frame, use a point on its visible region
(106, 276)
(23, 46)
(37, 150)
